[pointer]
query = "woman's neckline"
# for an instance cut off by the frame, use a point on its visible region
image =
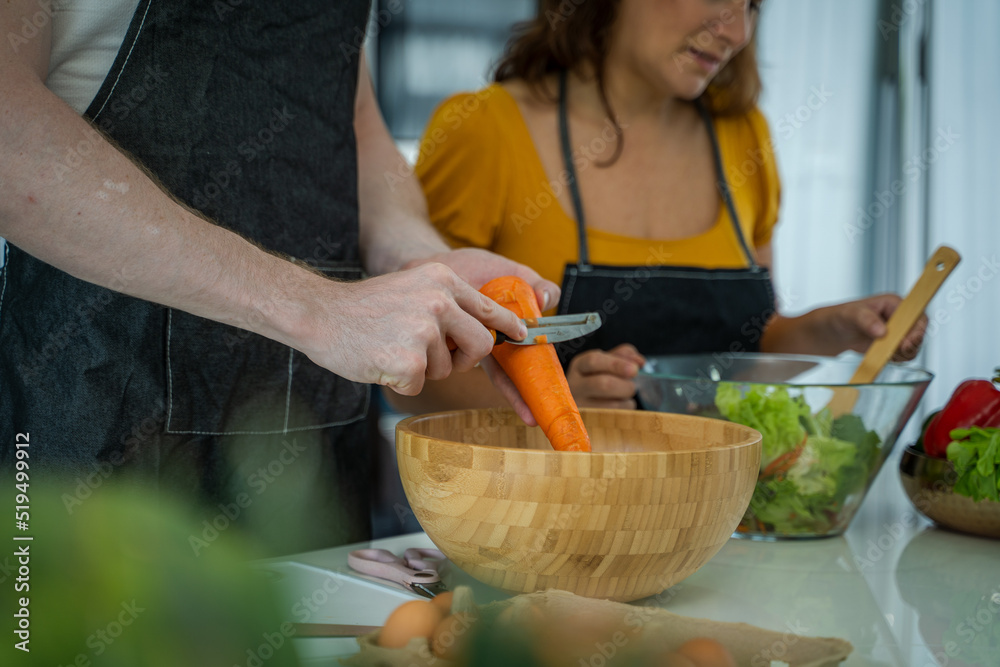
(721, 216)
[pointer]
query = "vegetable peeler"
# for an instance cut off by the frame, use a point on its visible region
(554, 329)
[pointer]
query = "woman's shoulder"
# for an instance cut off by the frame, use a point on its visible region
(747, 136)
(540, 97)
(488, 108)
(508, 103)
(751, 125)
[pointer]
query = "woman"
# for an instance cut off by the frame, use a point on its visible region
(621, 151)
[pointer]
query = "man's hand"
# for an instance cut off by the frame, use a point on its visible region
(395, 231)
(391, 330)
(605, 379)
(478, 267)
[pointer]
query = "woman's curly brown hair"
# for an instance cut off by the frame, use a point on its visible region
(566, 34)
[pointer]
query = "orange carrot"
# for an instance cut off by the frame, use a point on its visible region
(536, 371)
(783, 463)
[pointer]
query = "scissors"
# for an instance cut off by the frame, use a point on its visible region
(415, 570)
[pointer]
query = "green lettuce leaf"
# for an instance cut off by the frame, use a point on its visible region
(779, 506)
(770, 410)
(818, 469)
(852, 429)
(804, 494)
(975, 453)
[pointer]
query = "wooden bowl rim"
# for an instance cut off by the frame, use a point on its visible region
(752, 436)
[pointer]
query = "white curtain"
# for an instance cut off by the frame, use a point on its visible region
(816, 61)
(964, 190)
(934, 129)
(828, 246)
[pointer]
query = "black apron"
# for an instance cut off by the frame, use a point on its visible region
(660, 309)
(245, 113)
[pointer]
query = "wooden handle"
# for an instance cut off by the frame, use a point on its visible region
(332, 630)
(937, 269)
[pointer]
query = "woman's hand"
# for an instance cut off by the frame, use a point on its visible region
(858, 323)
(845, 326)
(605, 379)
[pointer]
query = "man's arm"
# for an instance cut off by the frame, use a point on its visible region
(394, 226)
(396, 232)
(395, 229)
(135, 238)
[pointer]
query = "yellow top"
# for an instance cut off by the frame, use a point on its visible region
(486, 188)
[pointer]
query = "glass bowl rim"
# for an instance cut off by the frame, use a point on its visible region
(919, 374)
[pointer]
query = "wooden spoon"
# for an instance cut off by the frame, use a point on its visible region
(332, 630)
(937, 269)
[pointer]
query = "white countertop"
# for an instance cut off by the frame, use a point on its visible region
(902, 591)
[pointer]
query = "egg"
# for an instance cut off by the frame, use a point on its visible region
(672, 660)
(705, 652)
(416, 618)
(443, 602)
(450, 635)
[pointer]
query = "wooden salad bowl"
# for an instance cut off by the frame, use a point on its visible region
(656, 498)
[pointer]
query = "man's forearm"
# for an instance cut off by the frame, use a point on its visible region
(105, 221)
(394, 225)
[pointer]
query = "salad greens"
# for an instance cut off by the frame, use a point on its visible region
(975, 453)
(811, 464)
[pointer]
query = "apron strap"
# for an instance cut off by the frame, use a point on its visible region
(574, 187)
(724, 185)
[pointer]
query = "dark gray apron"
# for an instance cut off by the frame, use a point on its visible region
(244, 112)
(664, 309)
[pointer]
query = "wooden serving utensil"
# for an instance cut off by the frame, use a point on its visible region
(937, 269)
(332, 630)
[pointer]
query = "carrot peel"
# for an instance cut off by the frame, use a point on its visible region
(783, 463)
(536, 372)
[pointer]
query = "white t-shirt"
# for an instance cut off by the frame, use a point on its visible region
(86, 36)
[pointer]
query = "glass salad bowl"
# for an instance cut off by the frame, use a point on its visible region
(816, 466)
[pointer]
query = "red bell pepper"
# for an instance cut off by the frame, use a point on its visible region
(974, 403)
